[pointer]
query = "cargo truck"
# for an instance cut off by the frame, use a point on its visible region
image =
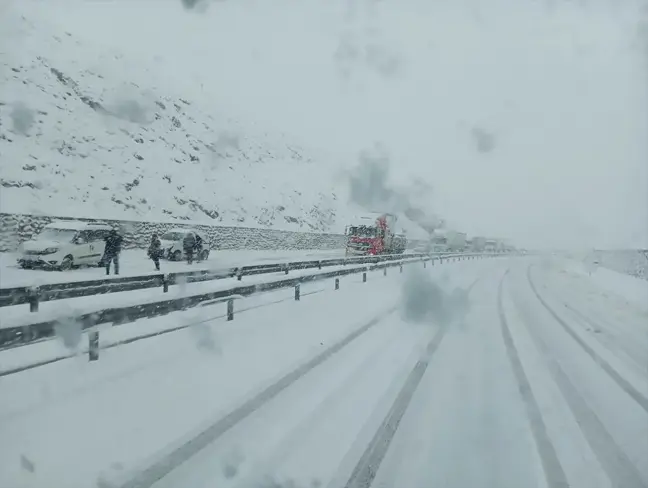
(375, 234)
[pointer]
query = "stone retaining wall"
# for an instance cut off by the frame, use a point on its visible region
(15, 229)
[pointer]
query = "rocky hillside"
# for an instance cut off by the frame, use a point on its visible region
(86, 131)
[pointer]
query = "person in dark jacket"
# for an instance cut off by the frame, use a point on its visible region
(112, 250)
(155, 251)
(189, 246)
(199, 247)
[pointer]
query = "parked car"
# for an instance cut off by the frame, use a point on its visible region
(172, 245)
(63, 245)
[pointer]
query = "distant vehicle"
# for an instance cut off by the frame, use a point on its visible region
(478, 244)
(172, 246)
(63, 245)
(375, 234)
(490, 245)
(446, 240)
(501, 246)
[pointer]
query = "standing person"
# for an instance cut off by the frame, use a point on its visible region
(199, 247)
(112, 251)
(189, 244)
(155, 250)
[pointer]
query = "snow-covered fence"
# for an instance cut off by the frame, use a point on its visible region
(17, 228)
(75, 289)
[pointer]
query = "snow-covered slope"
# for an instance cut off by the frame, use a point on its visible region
(88, 131)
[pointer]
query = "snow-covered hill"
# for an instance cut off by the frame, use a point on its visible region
(88, 131)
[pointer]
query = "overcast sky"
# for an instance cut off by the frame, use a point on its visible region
(529, 119)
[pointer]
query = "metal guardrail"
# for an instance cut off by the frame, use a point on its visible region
(22, 335)
(33, 295)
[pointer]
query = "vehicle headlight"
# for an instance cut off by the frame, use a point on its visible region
(50, 250)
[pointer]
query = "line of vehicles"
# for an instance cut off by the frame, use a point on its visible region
(63, 245)
(380, 233)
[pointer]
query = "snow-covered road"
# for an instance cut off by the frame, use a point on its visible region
(506, 372)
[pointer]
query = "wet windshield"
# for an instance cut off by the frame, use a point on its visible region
(342, 192)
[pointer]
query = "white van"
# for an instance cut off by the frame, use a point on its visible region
(65, 244)
(172, 248)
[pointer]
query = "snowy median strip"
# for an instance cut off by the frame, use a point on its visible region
(15, 316)
(33, 295)
(150, 307)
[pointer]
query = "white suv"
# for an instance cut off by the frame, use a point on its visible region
(65, 244)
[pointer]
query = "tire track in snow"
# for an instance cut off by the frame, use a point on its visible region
(629, 349)
(554, 472)
(316, 418)
(365, 471)
(618, 338)
(367, 467)
(620, 469)
(604, 365)
(159, 469)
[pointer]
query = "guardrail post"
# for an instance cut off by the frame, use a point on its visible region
(165, 283)
(297, 296)
(33, 296)
(364, 277)
(337, 283)
(230, 309)
(93, 345)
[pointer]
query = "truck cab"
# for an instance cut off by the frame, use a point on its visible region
(363, 239)
(374, 234)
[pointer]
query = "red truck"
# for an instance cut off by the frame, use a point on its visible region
(374, 234)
